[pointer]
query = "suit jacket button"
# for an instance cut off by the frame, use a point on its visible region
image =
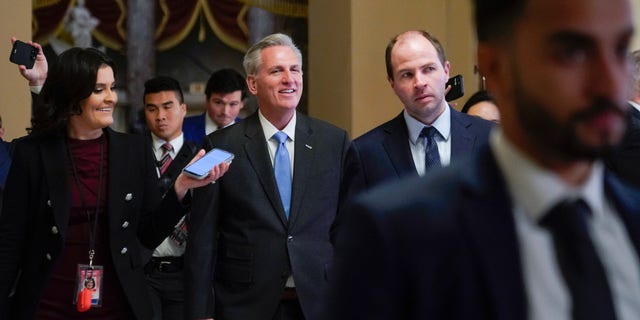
(124, 250)
(48, 256)
(49, 203)
(128, 197)
(125, 224)
(290, 238)
(54, 230)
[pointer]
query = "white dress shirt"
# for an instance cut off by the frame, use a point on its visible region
(210, 126)
(269, 130)
(534, 190)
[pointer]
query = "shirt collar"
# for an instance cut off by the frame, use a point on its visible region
(537, 189)
(442, 125)
(269, 129)
(175, 143)
(635, 105)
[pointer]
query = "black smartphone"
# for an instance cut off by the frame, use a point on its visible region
(200, 169)
(457, 88)
(23, 54)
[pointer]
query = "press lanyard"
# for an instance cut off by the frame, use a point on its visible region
(92, 231)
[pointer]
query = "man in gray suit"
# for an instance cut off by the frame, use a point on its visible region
(263, 235)
(418, 70)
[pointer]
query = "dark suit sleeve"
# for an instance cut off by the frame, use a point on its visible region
(352, 183)
(365, 275)
(398, 257)
(200, 251)
(13, 224)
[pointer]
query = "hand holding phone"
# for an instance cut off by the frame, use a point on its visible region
(457, 88)
(200, 168)
(23, 54)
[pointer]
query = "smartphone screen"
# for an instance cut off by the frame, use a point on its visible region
(200, 169)
(457, 88)
(23, 54)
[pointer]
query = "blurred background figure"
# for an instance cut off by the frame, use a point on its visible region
(481, 104)
(226, 92)
(625, 159)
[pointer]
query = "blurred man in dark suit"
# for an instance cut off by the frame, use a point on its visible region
(534, 226)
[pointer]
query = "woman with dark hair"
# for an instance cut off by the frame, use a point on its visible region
(79, 197)
(481, 104)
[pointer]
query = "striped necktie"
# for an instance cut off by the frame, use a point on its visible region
(166, 159)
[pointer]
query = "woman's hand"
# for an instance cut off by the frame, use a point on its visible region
(38, 74)
(184, 182)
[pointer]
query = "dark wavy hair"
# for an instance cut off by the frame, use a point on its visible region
(477, 97)
(71, 80)
(226, 81)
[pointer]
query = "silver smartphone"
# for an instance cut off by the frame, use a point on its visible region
(200, 169)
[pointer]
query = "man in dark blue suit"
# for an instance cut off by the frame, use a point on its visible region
(263, 238)
(226, 92)
(533, 226)
(418, 70)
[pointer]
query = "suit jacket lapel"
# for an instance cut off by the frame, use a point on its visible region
(304, 159)
(55, 161)
(490, 223)
(258, 155)
(396, 144)
(461, 140)
(117, 175)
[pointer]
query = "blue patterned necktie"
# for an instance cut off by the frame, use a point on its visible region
(282, 170)
(431, 156)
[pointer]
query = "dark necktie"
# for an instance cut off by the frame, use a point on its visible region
(282, 171)
(432, 157)
(581, 268)
(165, 161)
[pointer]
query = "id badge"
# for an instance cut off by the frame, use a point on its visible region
(88, 287)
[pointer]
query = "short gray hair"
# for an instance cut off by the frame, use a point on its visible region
(252, 59)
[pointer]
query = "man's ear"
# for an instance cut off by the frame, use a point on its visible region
(251, 84)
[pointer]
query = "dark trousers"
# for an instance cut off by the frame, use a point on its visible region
(166, 290)
(289, 307)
